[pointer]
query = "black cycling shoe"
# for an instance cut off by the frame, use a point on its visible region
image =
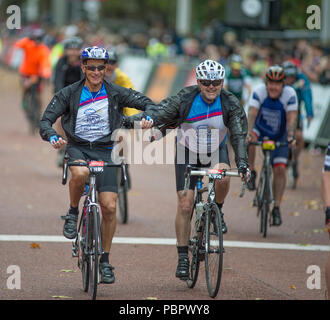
(70, 225)
(106, 271)
(251, 185)
(277, 221)
(182, 271)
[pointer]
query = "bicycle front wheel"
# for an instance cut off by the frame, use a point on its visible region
(194, 248)
(213, 250)
(93, 251)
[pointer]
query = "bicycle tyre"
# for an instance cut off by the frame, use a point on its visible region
(194, 247)
(93, 251)
(83, 258)
(122, 198)
(265, 202)
(213, 250)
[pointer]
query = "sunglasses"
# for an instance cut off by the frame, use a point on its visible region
(93, 68)
(207, 83)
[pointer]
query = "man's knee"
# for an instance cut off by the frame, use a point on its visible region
(108, 206)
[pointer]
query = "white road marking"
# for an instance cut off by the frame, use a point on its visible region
(172, 241)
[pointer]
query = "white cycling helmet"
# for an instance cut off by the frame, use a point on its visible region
(210, 70)
(95, 52)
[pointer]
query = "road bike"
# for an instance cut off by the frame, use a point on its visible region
(293, 168)
(87, 246)
(206, 239)
(264, 191)
(31, 105)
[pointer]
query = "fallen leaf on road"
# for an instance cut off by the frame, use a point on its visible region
(294, 214)
(235, 194)
(34, 245)
(260, 299)
(312, 204)
(67, 270)
(303, 244)
(151, 298)
(293, 287)
(318, 230)
(61, 297)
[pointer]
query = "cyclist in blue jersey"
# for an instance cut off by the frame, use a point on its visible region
(273, 114)
(204, 114)
(91, 111)
(300, 82)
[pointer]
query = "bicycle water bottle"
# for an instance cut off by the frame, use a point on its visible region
(86, 189)
(199, 185)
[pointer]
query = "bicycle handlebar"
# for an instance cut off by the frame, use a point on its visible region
(217, 173)
(277, 143)
(87, 163)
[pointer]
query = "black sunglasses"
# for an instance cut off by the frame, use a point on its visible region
(207, 83)
(93, 68)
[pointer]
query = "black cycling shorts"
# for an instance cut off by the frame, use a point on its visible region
(184, 157)
(105, 181)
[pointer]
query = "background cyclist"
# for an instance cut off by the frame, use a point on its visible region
(273, 114)
(118, 77)
(67, 71)
(236, 79)
(91, 111)
(204, 114)
(35, 65)
(301, 84)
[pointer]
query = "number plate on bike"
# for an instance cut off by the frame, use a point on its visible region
(96, 166)
(268, 145)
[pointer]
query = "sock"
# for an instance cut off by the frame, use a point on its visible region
(105, 257)
(74, 210)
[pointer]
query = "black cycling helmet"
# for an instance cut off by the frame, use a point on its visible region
(290, 69)
(73, 43)
(37, 34)
(275, 73)
(113, 57)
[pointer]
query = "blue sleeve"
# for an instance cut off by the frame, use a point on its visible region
(306, 96)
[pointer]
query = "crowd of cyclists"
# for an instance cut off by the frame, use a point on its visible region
(206, 114)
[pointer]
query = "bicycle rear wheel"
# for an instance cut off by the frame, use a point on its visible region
(213, 250)
(194, 248)
(93, 251)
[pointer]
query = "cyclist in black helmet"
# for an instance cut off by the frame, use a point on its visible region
(67, 71)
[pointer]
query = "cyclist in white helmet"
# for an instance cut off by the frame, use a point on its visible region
(204, 114)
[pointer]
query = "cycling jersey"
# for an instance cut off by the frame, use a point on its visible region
(36, 61)
(271, 118)
(204, 130)
(93, 117)
(304, 93)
